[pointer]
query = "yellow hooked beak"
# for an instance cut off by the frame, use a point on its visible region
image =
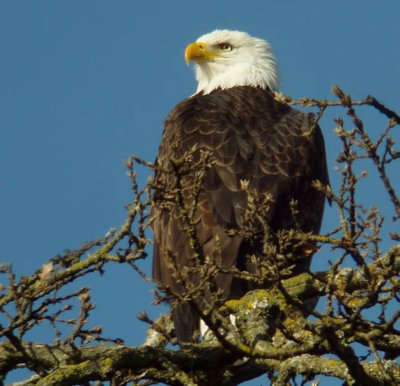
(199, 52)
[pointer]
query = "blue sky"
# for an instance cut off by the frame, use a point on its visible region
(85, 84)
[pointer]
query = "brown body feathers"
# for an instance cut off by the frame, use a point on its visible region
(250, 137)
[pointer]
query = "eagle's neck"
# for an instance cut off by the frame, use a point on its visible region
(223, 75)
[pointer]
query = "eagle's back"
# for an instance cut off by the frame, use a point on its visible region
(250, 137)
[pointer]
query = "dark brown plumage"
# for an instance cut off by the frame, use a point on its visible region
(252, 137)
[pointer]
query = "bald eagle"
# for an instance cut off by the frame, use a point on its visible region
(252, 139)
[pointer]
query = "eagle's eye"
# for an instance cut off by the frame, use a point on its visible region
(225, 47)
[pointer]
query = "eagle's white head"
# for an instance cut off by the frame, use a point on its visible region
(225, 59)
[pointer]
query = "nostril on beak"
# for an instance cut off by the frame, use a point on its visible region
(201, 46)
